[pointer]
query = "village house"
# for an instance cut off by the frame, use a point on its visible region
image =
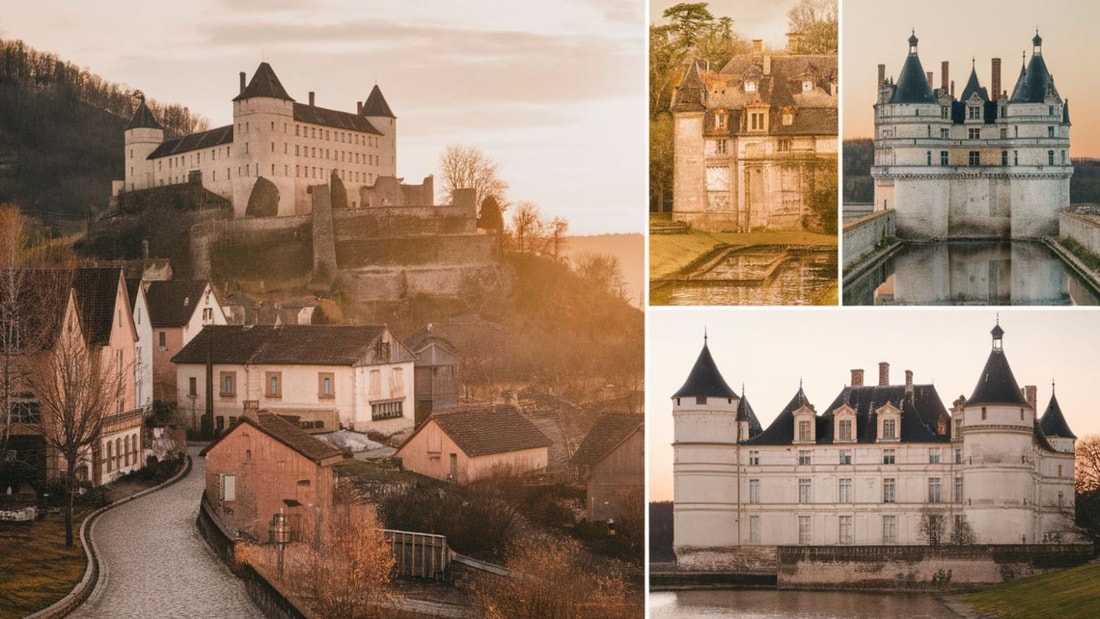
(264, 465)
(612, 461)
(143, 354)
(436, 370)
(178, 310)
(325, 376)
(467, 445)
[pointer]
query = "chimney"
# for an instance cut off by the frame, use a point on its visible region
(793, 40)
(881, 75)
(857, 378)
(242, 83)
(757, 46)
(767, 65)
(251, 408)
(996, 79)
(1030, 395)
(908, 382)
(944, 81)
(359, 108)
(883, 374)
(928, 75)
(311, 98)
(145, 249)
(952, 89)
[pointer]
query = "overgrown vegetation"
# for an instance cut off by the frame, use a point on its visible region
(36, 569)
(858, 155)
(264, 199)
(1091, 260)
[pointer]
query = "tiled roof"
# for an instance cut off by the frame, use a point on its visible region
(286, 433)
(172, 303)
(264, 83)
(376, 104)
(96, 290)
(290, 345)
(333, 118)
(143, 118)
(609, 431)
(195, 141)
(705, 379)
(492, 430)
(1053, 423)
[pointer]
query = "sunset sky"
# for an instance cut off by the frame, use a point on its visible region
(959, 31)
(555, 92)
(771, 350)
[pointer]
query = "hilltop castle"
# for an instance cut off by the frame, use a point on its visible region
(749, 139)
(882, 465)
(293, 145)
(986, 164)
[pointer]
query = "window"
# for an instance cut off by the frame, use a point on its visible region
(721, 146)
(701, 400)
(889, 429)
(943, 157)
(933, 489)
(783, 145)
(1015, 157)
(973, 133)
(803, 457)
(1050, 132)
(1004, 157)
(889, 529)
(888, 456)
(754, 529)
(844, 491)
(805, 491)
(754, 457)
(945, 112)
(974, 112)
(1050, 111)
(229, 488)
(273, 384)
(754, 491)
(845, 456)
(385, 410)
(207, 315)
(958, 489)
(945, 133)
(983, 413)
(928, 157)
(326, 385)
(803, 530)
(804, 430)
(757, 121)
(933, 455)
(162, 343)
(889, 490)
(1050, 157)
(26, 409)
(958, 455)
(720, 121)
(845, 530)
(1004, 133)
(228, 384)
(750, 86)
(192, 386)
(975, 158)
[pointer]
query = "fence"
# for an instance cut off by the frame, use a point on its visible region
(420, 555)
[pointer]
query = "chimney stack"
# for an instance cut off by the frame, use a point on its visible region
(793, 40)
(857, 378)
(881, 75)
(359, 108)
(883, 374)
(1030, 394)
(996, 79)
(908, 382)
(251, 408)
(311, 98)
(928, 75)
(767, 65)
(145, 249)
(242, 83)
(757, 46)
(945, 82)
(952, 89)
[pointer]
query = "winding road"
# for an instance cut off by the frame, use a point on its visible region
(154, 563)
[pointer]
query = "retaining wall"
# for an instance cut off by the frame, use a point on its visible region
(864, 234)
(1085, 229)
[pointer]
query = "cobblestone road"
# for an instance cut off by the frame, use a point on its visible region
(155, 564)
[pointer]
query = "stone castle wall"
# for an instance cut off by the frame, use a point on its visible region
(863, 235)
(1085, 229)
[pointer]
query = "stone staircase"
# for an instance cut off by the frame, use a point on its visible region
(662, 223)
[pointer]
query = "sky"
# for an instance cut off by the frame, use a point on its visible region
(958, 31)
(752, 20)
(770, 350)
(553, 92)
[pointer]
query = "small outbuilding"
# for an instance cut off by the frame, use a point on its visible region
(612, 460)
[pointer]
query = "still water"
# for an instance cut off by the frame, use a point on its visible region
(772, 604)
(757, 277)
(970, 273)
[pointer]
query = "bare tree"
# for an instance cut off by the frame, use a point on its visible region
(1088, 464)
(77, 389)
(466, 167)
(931, 527)
(963, 534)
(528, 230)
(603, 271)
(557, 229)
(816, 22)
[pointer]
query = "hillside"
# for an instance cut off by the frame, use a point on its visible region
(628, 248)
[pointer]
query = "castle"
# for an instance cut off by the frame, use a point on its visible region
(882, 465)
(749, 139)
(293, 145)
(986, 164)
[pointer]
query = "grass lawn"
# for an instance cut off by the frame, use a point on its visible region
(36, 569)
(1069, 593)
(669, 253)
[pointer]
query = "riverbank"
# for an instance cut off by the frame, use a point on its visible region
(1065, 594)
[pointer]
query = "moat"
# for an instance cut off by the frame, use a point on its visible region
(757, 275)
(970, 273)
(772, 604)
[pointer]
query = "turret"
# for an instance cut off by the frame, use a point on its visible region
(263, 116)
(378, 112)
(142, 136)
(1054, 427)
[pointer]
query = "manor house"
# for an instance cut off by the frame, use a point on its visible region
(883, 464)
(293, 145)
(989, 163)
(750, 139)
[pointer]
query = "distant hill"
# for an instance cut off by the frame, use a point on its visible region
(628, 248)
(61, 133)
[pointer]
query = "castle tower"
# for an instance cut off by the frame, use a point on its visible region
(263, 128)
(1054, 427)
(998, 428)
(688, 176)
(705, 416)
(142, 136)
(379, 114)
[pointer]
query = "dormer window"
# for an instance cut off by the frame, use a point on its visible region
(807, 85)
(974, 112)
(788, 119)
(845, 429)
(889, 423)
(720, 120)
(804, 425)
(750, 86)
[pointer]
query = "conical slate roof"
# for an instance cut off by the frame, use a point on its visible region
(1053, 423)
(745, 413)
(781, 430)
(1036, 81)
(912, 84)
(376, 104)
(705, 379)
(264, 84)
(997, 385)
(143, 118)
(690, 93)
(973, 86)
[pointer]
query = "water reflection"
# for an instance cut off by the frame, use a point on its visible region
(772, 604)
(970, 273)
(757, 277)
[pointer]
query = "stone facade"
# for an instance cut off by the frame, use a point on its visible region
(985, 164)
(884, 465)
(749, 140)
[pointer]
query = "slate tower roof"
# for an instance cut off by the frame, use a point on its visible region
(997, 385)
(1036, 81)
(912, 86)
(690, 95)
(143, 117)
(705, 379)
(264, 84)
(1053, 423)
(973, 86)
(376, 104)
